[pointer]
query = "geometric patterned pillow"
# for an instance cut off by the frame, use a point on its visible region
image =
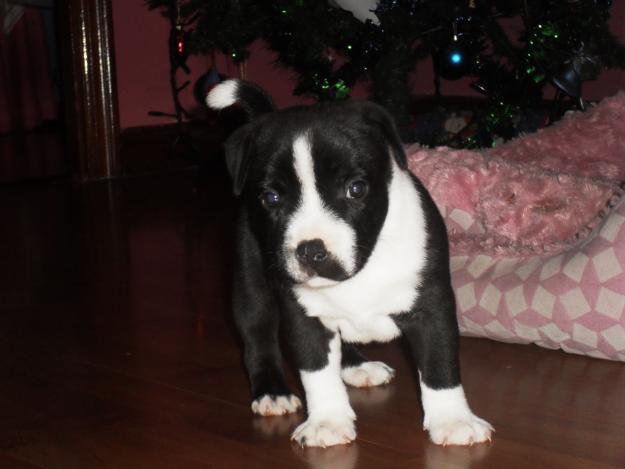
(573, 300)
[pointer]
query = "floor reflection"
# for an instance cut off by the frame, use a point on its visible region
(277, 426)
(458, 457)
(371, 396)
(335, 457)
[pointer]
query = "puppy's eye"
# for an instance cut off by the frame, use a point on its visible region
(357, 189)
(270, 199)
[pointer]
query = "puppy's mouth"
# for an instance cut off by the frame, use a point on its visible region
(317, 275)
(319, 282)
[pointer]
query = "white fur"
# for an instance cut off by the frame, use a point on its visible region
(335, 430)
(368, 374)
(359, 306)
(449, 419)
(330, 417)
(281, 405)
(363, 328)
(223, 95)
(314, 220)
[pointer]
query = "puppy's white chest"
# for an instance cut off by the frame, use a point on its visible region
(360, 307)
(377, 328)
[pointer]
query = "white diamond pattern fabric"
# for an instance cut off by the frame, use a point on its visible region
(574, 300)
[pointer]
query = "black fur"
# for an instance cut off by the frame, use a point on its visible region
(350, 140)
(431, 327)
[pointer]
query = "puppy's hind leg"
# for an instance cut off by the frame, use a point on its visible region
(358, 371)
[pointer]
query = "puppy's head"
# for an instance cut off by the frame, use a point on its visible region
(314, 181)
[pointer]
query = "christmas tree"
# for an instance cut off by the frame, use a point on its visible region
(564, 42)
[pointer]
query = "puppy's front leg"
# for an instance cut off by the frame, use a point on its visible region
(256, 316)
(330, 417)
(317, 353)
(432, 334)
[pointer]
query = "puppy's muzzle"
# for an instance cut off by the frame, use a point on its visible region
(311, 254)
(316, 262)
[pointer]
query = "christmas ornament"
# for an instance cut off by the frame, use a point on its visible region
(328, 90)
(456, 59)
(205, 83)
(178, 40)
(581, 66)
(341, 90)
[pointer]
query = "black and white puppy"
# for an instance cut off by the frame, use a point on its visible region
(339, 243)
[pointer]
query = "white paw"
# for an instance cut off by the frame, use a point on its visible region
(466, 430)
(276, 405)
(325, 432)
(368, 374)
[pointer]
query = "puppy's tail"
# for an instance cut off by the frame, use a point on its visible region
(250, 97)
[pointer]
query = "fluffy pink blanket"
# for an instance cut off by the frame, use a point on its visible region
(537, 235)
(538, 193)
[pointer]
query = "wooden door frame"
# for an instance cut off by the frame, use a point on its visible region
(90, 90)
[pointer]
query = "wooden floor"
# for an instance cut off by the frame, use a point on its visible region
(33, 155)
(116, 351)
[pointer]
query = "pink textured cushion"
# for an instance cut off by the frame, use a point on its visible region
(537, 232)
(494, 204)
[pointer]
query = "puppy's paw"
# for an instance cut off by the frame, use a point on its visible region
(276, 405)
(368, 374)
(466, 430)
(325, 432)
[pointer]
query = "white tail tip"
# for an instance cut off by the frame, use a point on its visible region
(223, 95)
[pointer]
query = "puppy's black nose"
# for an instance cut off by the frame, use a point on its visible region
(311, 252)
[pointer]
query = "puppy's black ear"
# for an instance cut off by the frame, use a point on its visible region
(238, 150)
(377, 116)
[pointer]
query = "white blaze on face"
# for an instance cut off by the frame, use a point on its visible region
(314, 220)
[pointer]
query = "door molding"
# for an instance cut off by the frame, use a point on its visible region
(90, 91)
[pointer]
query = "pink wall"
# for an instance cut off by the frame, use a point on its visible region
(142, 63)
(143, 68)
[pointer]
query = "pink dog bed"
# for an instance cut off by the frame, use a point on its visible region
(536, 232)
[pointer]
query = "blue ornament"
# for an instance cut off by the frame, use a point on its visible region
(205, 83)
(454, 60)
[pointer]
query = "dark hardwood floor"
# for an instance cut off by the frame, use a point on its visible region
(116, 351)
(33, 155)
